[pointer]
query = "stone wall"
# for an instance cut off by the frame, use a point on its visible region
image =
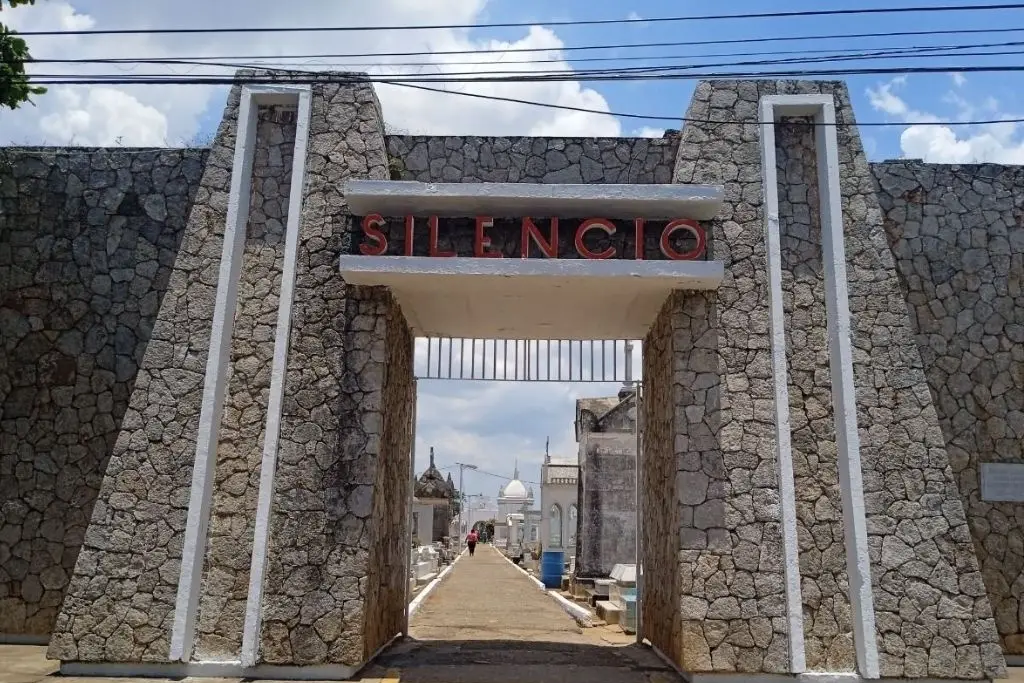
(457, 159)
(828, 630)
(957, 234)
(932, 616)
(731, 558)
(932, 621)
(387, 582)
(87, 241)
(120, 603)
(607, 512)
(316, 585)
(661, 616)
(225, 582)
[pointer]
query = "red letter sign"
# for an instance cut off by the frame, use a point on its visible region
(371, 224)
(531, 232)
(693, 228)
(432, 225)
(409, 223)
(601, 224)
(482, 243)
(638, 230)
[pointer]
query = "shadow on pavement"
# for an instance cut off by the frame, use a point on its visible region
(516, 661)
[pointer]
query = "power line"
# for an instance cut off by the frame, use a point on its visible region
(334, 78)
(579, 22)
(491, 474)
(835, 54)
(299, 77)
(926, 52)
(569, 48)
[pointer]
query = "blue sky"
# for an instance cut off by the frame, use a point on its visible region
(937, 94)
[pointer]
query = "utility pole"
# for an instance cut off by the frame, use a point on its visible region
(629, 363)
(462, 497)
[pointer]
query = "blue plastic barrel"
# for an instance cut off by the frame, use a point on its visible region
(551, 564)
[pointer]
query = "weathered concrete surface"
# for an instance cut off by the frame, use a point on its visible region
(607, 521)
(488, 622)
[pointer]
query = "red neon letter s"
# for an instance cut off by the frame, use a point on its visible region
(693, 228)
(482, 243)
(371, 224)
(601, 224)
(531, 232)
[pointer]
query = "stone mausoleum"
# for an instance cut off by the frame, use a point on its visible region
(207, 383)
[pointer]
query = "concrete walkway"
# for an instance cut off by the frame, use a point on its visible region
(488, 622)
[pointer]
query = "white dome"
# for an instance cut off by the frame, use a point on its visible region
(515, 489)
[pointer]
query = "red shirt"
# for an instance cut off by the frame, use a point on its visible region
(472, 537)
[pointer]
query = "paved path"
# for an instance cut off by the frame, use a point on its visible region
(488, 622)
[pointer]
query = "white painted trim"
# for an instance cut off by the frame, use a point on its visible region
(406, 197)
(410, 494)
(416, 602)
(268, 467)
(858, 563)
(577, 612)
(23, 639)
(638, 406)
(780, 382)
(320, 672)
(370, 270)
(204, 467)
(844, 393)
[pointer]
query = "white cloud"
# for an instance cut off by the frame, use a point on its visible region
(649, 132)
(998, 142)
(182, 107)
(633, 16)
(103, 116)
(958, 79)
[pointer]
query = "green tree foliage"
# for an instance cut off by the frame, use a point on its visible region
(15, 88)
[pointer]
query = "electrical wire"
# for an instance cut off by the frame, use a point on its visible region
(568, 48)
(324, 78)
(575, 22)
(300, 77)
(583, 74)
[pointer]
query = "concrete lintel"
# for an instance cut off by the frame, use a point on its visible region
(478, 298)
(407, 197)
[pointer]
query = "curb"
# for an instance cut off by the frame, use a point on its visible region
(580, 615)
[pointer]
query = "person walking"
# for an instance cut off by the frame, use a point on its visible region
(471, 540)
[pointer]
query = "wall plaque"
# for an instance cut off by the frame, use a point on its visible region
(1002, 482)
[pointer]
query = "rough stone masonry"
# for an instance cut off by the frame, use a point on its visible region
(109, 264)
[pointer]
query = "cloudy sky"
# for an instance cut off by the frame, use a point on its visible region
(491, 424)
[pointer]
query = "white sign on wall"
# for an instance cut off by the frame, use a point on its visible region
(1002, 482)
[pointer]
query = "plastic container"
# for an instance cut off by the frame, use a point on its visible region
(552, 562)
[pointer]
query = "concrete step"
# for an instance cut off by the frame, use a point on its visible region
(424, 580)
(608, 611)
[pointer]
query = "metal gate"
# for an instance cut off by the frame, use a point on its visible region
(526, 360)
